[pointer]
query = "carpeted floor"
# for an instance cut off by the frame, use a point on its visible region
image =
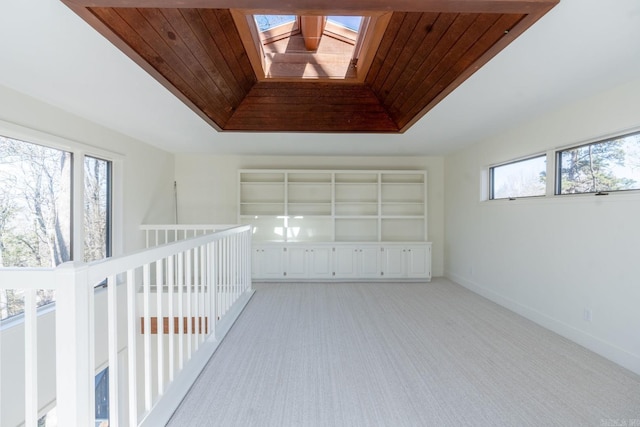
(430, 354)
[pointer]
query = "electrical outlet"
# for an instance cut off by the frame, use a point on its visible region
(587, 315)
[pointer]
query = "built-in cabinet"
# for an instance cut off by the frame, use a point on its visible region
(336, 224)
(267, 262)
(341, 261)
(406, 261)
(357, 261)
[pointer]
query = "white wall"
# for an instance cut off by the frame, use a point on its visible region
(147, 197)
(549, 259)
(207, 186)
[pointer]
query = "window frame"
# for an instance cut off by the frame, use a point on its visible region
(557, 182)
(491, 177)
(78, 152)
(109, 204)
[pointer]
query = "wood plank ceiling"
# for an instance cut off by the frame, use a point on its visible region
(428, 48)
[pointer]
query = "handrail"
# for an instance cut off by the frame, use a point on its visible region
(199, 283)
(145, 227)
(39, 278)
(104, 267)
(156, 234)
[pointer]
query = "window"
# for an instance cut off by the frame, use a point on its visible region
(523, 178)
(102, 398)
(603, 166)
(97, 209)
(309, 46)
(35, 213)
(50, 419)
(350, 22)
(269, 22)
(36, 205)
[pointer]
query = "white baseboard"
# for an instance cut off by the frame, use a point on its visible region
(597, 345)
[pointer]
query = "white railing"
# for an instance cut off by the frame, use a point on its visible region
(159, 234)
(166, 310)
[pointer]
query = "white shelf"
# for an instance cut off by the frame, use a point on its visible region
(334, 205)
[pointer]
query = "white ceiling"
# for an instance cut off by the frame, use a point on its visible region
(579, 48)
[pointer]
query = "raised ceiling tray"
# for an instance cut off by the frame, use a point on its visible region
(416, 52)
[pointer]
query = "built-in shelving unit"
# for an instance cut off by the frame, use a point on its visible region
(303, 211)
(334, 205)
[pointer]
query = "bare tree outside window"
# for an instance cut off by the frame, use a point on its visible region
(35, 212)
(97, 201)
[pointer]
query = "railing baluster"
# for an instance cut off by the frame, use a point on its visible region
(227, 251)
(114, 371)
(201, 298)
(221, 272)
(170, 284)
(203, 295)
(200, 308)
(189, 275)
(196, 297)
(218, 290)
(207, 301)
(180, 310)
(160, 325)
(236, 265)
(30, 358)
(132, 372)
(146, 283)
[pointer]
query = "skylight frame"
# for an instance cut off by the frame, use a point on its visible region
(372, 27)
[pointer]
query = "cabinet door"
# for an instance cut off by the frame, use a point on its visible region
(393, 265)
(320, 266)
(267, 262)
(344, 262)
(418, 261)
(369, 260)
(256, 263)
(296, 262)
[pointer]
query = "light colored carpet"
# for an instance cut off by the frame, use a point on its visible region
(429, 354)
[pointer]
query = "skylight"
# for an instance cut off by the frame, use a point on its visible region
(349, 22)
(268, 22)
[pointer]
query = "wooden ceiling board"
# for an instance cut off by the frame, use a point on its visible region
(311, 107)
(418, 46)
(192, 50)
(197, 49)
(231, 45)
(418, 64)
(198, 52)
(401, 38)
(387, 41)
(215, 50)
(453, 65)
(353, 7)
(452, 46)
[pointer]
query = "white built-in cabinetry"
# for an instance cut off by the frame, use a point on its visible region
(336, 224)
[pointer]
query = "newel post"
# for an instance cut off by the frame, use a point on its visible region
(74, 346)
